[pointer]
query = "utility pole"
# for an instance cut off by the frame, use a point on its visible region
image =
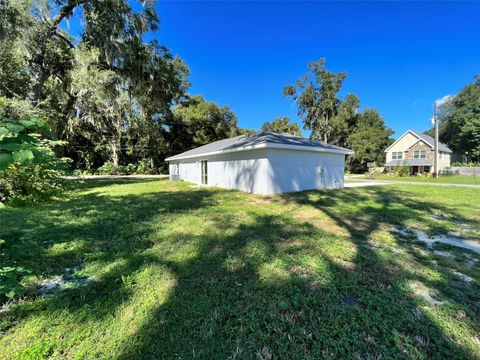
(435, 123)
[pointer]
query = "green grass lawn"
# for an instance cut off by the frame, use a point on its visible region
(447, 179)
(168, 271)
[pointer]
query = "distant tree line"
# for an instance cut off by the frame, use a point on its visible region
(111, 97)
(459, 120)
(338, 121)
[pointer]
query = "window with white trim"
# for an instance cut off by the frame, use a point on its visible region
(420, 154)
(397, 155)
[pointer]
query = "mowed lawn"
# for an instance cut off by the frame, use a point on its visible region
(163, 270)
(447, 179)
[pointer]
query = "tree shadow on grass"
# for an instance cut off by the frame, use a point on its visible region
(114, 231)
(398, 208)
(256, 285)
(257, 293)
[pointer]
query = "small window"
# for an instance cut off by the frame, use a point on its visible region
(397, 155)
(420, 154)
(426, 169)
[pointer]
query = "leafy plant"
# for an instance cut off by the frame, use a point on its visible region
(29, 169)
(402, 171)
(467, 164)
(18, 144)
(144, 167)
(10, 278)
(110, 169)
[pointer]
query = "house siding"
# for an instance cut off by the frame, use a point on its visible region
(246, 170)
(266, 171)
(409, 143)
(402, 145)
(420, 145)
(305, 170)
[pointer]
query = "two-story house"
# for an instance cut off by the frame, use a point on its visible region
(416, 150)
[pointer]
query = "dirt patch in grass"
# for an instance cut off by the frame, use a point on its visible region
(347, 265)
(317, 219)
(256, 199)
(422, 291)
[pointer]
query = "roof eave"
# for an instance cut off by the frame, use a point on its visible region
(264, 145)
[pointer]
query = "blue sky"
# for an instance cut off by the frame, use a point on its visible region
(399, 57)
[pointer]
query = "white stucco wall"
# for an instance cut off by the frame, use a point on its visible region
(304, 170)
(245, 170)
(267, 171)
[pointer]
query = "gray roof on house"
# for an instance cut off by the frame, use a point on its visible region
(239, 143)
(409, 162)
(431, 141)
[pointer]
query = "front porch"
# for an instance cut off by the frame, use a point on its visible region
(415, 166)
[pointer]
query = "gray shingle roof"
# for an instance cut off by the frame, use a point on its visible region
(409, 162)
(431, 141)
(237, 143)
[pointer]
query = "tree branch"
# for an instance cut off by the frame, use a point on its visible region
(67, 41)
(11, 91)
(66, 11)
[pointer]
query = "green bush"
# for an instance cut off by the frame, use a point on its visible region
(467, 164)
(110, 169)
(402, 171)
(447, 172)
(131, 169)
(29, 184)
(29, 169)
(144, 167)
(10, 278)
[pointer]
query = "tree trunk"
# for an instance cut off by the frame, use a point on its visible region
(40, 73)
(116, 144)
(115, 153)
(38, 69)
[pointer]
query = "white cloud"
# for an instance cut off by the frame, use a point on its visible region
(443, 100)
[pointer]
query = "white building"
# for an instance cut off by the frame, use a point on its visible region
(262, 163)
(416, 151)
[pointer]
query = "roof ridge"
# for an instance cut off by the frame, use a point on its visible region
(267, 138)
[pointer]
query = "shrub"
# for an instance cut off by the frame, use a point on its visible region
(144, 167)
(108, 169)
(29, 169)
(447, 171)
(131, 169)
(466, 164)
(10, 278)
(402, 171)
(28, 184)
